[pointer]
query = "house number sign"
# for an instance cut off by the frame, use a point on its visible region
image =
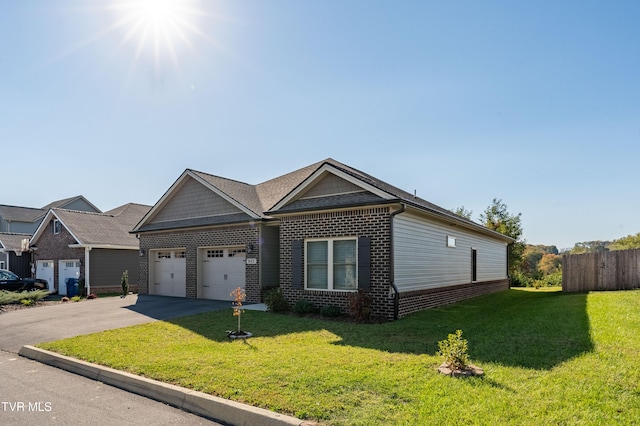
(252, 261)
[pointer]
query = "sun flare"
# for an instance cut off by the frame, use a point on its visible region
(158, 27)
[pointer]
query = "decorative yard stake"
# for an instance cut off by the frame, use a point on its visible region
(239, 296)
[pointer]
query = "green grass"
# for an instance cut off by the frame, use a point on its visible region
(549, 358)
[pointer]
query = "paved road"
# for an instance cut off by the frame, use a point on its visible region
(35, 394)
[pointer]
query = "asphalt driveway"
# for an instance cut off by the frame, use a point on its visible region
(54, 322)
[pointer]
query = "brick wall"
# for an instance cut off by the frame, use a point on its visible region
(425, 299)
(373, 223)
(55, 247)
(365, 222)
(192, 241)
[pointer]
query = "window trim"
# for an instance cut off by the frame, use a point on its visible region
(330, 264)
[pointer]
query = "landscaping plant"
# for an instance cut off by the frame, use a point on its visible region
(124, 282)
(455, 351)
(238, 297)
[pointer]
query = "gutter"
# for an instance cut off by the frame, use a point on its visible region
(396, 295)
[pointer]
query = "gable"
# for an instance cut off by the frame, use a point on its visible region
(193, 200)
(330, 185)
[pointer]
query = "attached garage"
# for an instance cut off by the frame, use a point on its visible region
(44, 270)
(223, 270)
(169, 273)
(67, 269)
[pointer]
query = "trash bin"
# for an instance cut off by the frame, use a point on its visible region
(72, 287)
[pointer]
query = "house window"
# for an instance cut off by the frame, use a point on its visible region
(56, 226)
(215, 253)
(164, 255)
(331, 264)
(182, 254)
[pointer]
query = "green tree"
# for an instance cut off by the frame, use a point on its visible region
(590, 247)
(549, 263)
(461, 211)
(498, 218)
(626, 243)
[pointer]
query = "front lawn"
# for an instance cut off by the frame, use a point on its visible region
(549, 358)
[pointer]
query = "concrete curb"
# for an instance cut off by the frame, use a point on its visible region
(202, 404)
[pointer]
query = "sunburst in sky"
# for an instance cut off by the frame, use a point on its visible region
(160, 29)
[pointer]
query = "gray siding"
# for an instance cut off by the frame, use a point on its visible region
(107, 265)
(80, 205)
(270, 256)
(422, 259)
(331, 185)
(194, 200)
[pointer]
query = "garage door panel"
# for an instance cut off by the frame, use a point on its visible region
(223, 270)
(170, 269)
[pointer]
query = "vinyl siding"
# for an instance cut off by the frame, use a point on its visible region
(106, 267)
(194, 200)
(270, 256)
(422, 259)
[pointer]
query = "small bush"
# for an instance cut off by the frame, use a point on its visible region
(75, 299)
(64, 299)
(92, 296)
(360, 306)
(8, 297)
(455, 351)
(27, 302)
(330, 311)
(303, 306)
(275, 301)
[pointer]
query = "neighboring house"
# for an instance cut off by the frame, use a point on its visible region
(14, 253)
(19, 223)
(25, 220)
(319, 233)
(96, 247)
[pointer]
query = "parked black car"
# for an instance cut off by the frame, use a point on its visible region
(11, 282)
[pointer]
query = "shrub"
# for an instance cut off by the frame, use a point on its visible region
(454, 350)
(330, 311)
(64, 299)
(27, 302)
(360, 305)
(92, 296)
(75, 299)
(275, 301)
(303, 306)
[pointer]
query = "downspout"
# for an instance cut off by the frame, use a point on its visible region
(87, 283)
(396, 295)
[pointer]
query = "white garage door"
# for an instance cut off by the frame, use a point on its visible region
(44, 270)
(223, 270)
(170, 273)
(67, 269)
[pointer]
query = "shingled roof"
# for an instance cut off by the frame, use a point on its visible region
(12, 241)
(262, 200)
(109, 229)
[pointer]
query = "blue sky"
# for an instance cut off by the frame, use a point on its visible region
(536, 103)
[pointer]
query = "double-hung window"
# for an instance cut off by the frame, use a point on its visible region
(331, 264)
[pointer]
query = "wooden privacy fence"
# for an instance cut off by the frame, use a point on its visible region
(613, 270)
